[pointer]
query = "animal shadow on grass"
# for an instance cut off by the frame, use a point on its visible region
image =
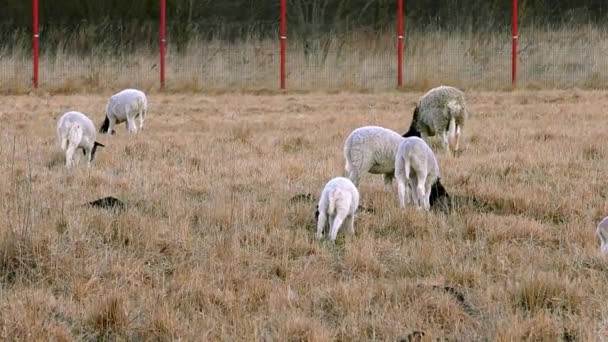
(109, 202)
(503, 206)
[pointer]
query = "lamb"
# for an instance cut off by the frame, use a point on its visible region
(602, 233)
(442, 110)
(75, 130)
(416, 171)
(371, 149)
(339, 200)
(126, 105)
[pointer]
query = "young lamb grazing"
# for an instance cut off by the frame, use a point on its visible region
(126, 105)
(371, 149)
(602, 233)
(416, 170)
(441, 110)
(75, 130)
(339, 201)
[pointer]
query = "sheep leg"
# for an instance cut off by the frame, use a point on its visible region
(445, 142)
(142, 113)
(337, 222)
(424, 136)
(89, 155)
(112, 121)
(388, 181)
(131, 127)
(427, 194)
(403, 191)
(350, 224)
(321, 224)
(69, 155)
(457, 143)
(420, 190)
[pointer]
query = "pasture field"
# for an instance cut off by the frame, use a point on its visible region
(211, 249)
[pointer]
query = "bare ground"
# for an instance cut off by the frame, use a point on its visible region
(211, 249)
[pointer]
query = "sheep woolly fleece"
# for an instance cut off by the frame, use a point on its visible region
(126, 105)
(339, 201)
(75, 130)
(416, 170)
(441, 110)
(371, 149)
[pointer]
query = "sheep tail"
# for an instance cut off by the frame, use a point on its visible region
(334, 197)
(105, 125)
(75, 134)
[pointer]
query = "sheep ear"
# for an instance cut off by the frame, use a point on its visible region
(98, 144)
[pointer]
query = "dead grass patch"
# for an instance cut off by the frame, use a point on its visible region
(212, 247)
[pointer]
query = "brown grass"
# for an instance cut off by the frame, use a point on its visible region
(356, 61)
(210, 248)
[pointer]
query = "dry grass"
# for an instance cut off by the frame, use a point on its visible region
(357, 61)
(209, 249)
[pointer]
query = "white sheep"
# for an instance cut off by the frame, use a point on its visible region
(371, 149)
(442, 110)
(126, 105)
(339, 200)
(75, 130)
(602, 233)
(417, 171)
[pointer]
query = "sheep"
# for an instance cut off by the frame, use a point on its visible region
(371, 149)
(126, 105)
(442, 110)
(602, 233)
(339, 200)
(75, 130)
(416, 171)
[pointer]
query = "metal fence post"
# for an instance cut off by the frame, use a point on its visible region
(162, 42)
(399, 43)
(35, 38)
(514, 48)
(283, 38)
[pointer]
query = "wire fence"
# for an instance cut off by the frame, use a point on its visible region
(357, 60)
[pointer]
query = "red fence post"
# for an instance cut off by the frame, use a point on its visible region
(283, 38)
(35, 42)
(162, 42)
(399, 43)
(514, 49)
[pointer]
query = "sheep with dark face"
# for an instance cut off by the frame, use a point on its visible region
(417, 174)
(371, 149)
(125, 106)
(76, 131)
(339, 201)
(441, 110)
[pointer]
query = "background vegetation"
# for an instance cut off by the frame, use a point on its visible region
(135, 23)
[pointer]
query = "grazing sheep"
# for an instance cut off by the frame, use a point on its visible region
(126, 105)
(75, 130)
(602, 233)
(339, 200)
(416, 171)
(371, 149)
(441, 110)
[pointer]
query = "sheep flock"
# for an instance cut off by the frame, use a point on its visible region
(407, 158)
